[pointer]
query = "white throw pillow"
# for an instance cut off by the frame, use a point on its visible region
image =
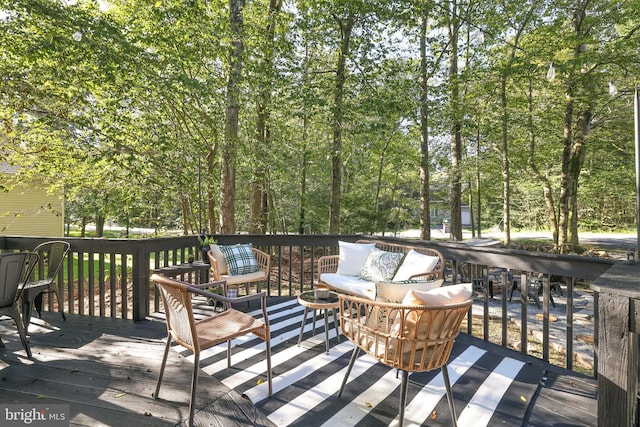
(353, 257)
(415, 263)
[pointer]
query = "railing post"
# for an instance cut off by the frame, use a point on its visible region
(618, 325)
(140, 283)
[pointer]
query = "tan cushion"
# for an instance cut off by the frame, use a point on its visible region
(244, 278)
(429, 324)
(349, 284)
(445, 295)
(219, 256)
(415, 263)
(395, 292)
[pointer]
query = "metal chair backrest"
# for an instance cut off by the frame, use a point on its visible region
(51, 254)
(15, 267)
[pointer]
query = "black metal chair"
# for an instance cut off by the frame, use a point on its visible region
(15, 268)
(535, 288)
(51, 255)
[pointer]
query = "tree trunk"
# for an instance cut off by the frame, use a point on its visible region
(455, 232)
(506, 193)
(229, 150)
(574, 146)
(376, 204)
(425, 208)
(336, 159)
(211, 203)
(478, 207)
(100, 219)
(258, 216)
(578, 154)
(544, 182)
(303, 177)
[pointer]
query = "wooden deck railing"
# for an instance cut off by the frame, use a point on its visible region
(113, 278)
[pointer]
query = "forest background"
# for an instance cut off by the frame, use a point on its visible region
(345, 116)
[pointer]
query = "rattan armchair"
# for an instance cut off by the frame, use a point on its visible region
(263, 260)
(210, 331)
(411, 338)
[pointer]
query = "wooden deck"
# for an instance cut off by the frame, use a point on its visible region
(106, 369)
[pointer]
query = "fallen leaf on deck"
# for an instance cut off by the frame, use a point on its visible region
(434, 415)
(369, 405)
(119, 395)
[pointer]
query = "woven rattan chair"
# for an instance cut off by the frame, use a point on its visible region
(263, 260)
(210, 331)
(411, 338)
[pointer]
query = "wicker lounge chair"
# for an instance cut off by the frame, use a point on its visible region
(411, 338)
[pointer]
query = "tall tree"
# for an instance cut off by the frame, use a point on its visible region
(259, 185)
(345, 26)
(230, 144)
(425, 207)
(454, 24)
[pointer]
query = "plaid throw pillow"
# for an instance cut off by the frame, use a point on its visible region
(239, 259)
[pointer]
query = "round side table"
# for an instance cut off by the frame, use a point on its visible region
(309, 301)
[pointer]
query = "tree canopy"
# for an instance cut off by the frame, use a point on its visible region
(325, 116)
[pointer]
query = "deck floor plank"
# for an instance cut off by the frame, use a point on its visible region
(565, 399)
(106, 370)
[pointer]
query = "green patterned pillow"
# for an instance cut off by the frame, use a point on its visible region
(381, 265)
(240, 259)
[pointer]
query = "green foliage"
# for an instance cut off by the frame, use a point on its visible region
(123, 108)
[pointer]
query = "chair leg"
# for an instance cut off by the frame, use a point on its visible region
(268, 344)
(37, 303)
(194, 387)
(162, 365)
(354, 356)
(26, 311)
(447, 386)
(60, 307)
(403, 395)
(228, 353)
(15, 314)
(514, 286)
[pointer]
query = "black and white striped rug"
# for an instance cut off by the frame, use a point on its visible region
(489, 388)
